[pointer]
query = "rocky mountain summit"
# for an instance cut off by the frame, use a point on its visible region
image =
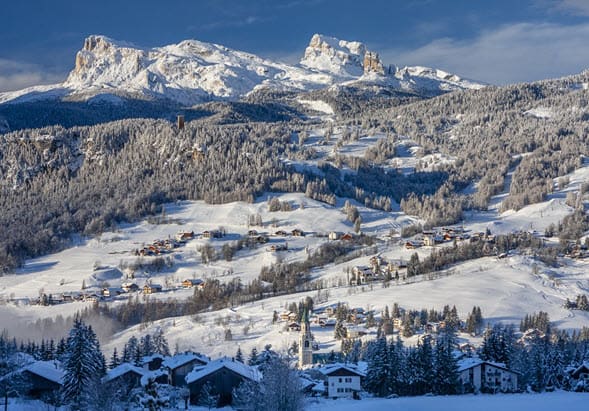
(194, 72)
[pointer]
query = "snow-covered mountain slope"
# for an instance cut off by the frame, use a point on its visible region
(192, 72)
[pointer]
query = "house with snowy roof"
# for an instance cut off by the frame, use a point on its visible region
(224, 374)
(152, 288)
(180, 365)
(343, 380)
(193, 282)
(581, 372)
(152, 362)
(485, 376)
(580, 375)
(41, 377)
(124, 377)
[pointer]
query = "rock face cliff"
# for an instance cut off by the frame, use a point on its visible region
(192, 72)
(372, 63)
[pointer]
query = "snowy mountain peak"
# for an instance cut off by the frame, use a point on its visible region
(192, 72)
(98, 42)
(340, 57)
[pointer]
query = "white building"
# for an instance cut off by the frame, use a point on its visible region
(343, 380)
(478, 375)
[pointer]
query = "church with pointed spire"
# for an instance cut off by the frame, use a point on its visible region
(305, 341)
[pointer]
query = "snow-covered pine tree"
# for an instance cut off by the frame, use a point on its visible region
(280, 387)
(160, 343)
(207, 396)
(498, 344)
(61, 349)
(246, 396)
(425, 369)
(150, 400)
(446, 368)
(84, 365)
(146, 346)
(355, 352)
(130, 350)
(114, 360)
(395, 364)
(239, 355)
(377, 374)
(253, 359)
(340, 330)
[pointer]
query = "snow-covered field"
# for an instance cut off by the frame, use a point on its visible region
(505, 402)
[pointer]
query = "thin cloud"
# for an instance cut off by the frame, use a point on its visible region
(230, 23)
(16, 75)
(577, 7)
(510, 54)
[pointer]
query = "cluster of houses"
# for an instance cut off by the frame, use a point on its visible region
(576, 250)
(262, 238)
(325, 318)
(340, 236)
(193, 371)
(158, 247)
(108, 293)
(377, 269)
(431, 238)
(164, 246)
(151, 288)
(223, 375)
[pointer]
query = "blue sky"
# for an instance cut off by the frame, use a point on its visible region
(496, 41)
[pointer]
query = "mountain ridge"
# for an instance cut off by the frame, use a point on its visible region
(193, 72)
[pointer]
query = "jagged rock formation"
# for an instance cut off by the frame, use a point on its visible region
(193, 72)
(372, 63)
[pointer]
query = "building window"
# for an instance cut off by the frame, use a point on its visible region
(340, 380)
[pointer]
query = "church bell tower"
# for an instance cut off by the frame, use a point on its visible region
(305, 341)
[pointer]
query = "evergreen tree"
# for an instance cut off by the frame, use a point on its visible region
(253, 359)
(247, 396)
(446, 367)
(130, 350)
(61, 349)
(207, 396)
(279, 389)
(394, 365)
(498, 344)
(377, 374)
(424, 367)
(84, 366)
(151, 400)
(339, 330)
(239, 355)
(114, 360)
(355, 352)
(146, 346)
(160, 343)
